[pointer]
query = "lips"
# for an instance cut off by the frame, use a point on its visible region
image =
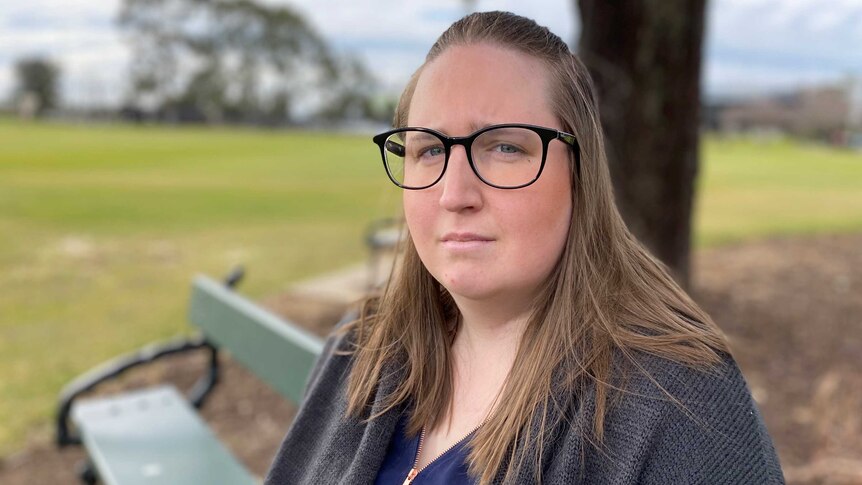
(466, 243)
(461, 237)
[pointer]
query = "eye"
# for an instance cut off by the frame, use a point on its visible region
(432, 151)
(507, 148)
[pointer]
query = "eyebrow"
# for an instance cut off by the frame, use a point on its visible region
(421, 135)
(474, 127)
(478, 126)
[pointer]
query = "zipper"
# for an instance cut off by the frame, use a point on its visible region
(415, 470)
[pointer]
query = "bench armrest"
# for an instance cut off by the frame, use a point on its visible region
(119, 365)
(148, 354)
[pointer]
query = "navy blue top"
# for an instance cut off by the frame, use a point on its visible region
(449, 469)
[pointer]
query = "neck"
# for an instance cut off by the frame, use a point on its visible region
(490, 330)
(483, 352)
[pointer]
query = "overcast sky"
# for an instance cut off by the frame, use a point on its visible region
(751, 45)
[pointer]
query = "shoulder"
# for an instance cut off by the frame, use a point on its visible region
(718, 391)
(691, 425)
(656, 381)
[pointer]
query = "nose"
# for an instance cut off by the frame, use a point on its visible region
(462, 189)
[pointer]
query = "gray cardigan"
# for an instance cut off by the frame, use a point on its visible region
(719, 438)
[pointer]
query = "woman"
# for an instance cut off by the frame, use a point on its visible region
(527, 336)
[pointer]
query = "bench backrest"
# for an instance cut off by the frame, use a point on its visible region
(277, 351)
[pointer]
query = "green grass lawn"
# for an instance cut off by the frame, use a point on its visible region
(102, 228)
(754, 189)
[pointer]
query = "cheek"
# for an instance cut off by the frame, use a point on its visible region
(546, 224)
(419, 214)
(543, 229)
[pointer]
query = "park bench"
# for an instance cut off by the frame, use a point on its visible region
(154, 435)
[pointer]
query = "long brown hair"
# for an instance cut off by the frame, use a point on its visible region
(607, 299)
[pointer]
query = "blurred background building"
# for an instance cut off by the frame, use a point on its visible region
(831, 113)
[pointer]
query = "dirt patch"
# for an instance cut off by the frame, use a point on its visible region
(793, 311)
(791, 307)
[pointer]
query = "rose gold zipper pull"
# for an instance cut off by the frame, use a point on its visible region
(410, 476)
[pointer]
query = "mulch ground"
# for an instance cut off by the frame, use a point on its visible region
(792, 309)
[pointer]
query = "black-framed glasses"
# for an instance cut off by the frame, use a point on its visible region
(508, 156)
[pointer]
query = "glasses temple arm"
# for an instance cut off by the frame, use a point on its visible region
(571, 140)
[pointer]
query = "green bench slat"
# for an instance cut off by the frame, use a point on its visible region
(151, 437)
(278, 352)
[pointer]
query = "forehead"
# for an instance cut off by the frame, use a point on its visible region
(468, 87)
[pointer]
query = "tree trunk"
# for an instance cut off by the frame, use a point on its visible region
(645, 58)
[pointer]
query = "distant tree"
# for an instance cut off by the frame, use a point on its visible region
(351, 95)
(645, 58)
(37, 82)
(225, 60)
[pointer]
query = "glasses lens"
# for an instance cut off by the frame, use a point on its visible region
(414, 159)
(508, 157)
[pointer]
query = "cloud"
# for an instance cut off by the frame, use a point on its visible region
(394, 36)
(763, 44)
(78, 35)
(757, 44)
(376, 20)
(97, 77)
(57, 14)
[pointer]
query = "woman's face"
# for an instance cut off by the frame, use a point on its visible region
(480, 242)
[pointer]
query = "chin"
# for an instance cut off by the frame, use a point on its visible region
(468, 286)
(474, 294)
